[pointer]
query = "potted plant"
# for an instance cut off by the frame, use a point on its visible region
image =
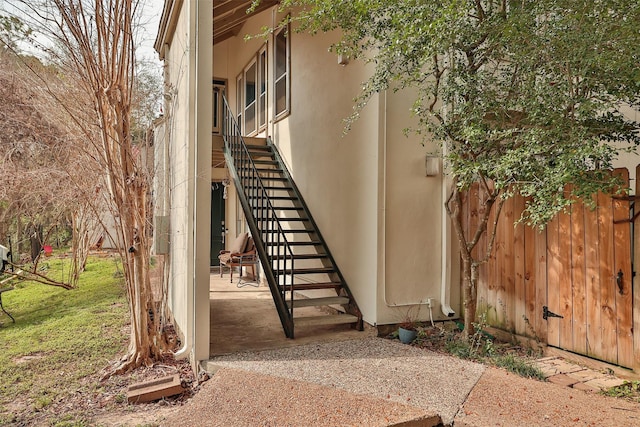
(407, 333)
(408, 327)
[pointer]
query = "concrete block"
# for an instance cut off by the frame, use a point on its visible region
(562, 379)
(605, 383)
(149, 391)
(585, 387)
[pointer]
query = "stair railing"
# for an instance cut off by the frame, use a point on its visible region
(262, 220)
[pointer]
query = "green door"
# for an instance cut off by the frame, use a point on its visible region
(217, 221)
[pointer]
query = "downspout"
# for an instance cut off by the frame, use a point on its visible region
(445, 281)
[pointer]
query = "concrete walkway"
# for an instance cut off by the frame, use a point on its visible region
(377, 382)
(360, 380)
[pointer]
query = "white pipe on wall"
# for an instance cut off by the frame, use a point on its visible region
(445, 281)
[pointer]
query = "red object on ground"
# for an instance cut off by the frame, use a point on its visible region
(48, 250)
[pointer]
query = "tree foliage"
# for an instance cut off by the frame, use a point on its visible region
(524, 96)
(37, 163)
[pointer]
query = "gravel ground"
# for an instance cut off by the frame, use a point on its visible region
(239, 398)
(377, 382)
(503, 399)
(373, 367)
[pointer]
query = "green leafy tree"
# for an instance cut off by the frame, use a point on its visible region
(524, 96)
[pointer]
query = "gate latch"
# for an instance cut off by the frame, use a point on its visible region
(546, 313)
(619, 281)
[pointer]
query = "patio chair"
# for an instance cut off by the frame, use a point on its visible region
(241, 253)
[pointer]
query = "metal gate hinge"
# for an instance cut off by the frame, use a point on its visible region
(546, 313)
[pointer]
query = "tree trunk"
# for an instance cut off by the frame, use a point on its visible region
(471, 263)
(35, 237)
(470, 294)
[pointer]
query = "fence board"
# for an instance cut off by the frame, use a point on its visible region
(564, 280)
(492, 275)
(553, 279)
(622, 256)
(518, 309)
(507, 288)
(592, 272)
(607, 281)
(579, 314)
(636, 283)
(541, 285)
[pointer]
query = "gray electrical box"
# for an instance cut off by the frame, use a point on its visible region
(161, 235)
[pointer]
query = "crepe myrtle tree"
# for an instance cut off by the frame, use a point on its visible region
(523, 96)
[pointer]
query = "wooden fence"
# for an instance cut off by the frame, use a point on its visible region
(578, 267)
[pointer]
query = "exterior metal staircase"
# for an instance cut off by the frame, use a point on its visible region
(293, 254)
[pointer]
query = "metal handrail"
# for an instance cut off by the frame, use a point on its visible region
(264, 225)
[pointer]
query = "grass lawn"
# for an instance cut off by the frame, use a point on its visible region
(60, 341)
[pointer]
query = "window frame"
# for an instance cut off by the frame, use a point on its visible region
(240, 101)
(246, 108)
(286, 75)
(219, 88)
(263, 88)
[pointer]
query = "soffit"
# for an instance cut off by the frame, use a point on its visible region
(230, 15)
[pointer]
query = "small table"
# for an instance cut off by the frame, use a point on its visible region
(3, 290)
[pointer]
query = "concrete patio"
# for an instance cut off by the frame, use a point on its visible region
(245, 319)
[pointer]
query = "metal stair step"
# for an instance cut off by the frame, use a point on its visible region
(311, 286)
(269, 187)
(288, 208)
(298, 256)
(317, 302)
(264, 162)
(260, 153)
(307, 243)
(264, 170)
(330, 319)
(318, 270)
(275, 198)
(274, 178)
(251, 147)
(280, 208)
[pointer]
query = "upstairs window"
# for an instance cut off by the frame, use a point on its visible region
(251, 95)
(240, 101)
(262, 88)
(219, 87)
(282, 73)
(250, 101)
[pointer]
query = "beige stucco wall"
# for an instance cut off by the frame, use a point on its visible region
(188, 128)
(411, 203)
(337, 175)
(177, 112)
(367, 191)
